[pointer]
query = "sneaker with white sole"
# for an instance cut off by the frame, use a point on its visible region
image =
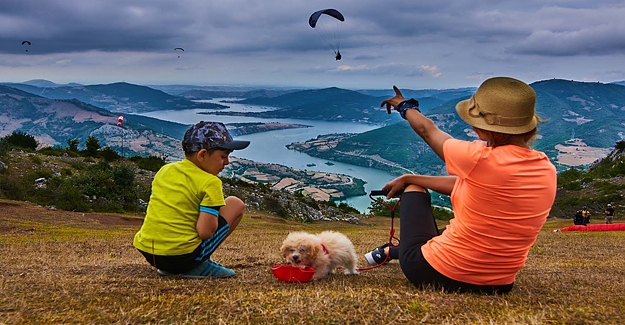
(209, 269)
(164, 273)
(377, 256)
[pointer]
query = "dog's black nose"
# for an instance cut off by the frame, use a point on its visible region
(295, 257)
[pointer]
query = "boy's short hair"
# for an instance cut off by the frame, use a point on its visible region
(210, 135)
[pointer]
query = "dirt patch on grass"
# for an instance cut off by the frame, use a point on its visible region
(25, 211)
(576, 153)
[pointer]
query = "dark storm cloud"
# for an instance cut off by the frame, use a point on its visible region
(252, 26)
(433, 41)
(75, 26)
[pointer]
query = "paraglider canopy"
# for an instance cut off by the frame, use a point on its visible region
(327, 23)
(179, 49)
(312, 21)
(27, 43)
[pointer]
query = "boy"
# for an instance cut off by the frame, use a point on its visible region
(187, 217)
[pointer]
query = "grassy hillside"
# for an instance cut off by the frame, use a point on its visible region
(72, 268)
(602, 183)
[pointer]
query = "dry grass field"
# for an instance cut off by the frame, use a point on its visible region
(60, 267)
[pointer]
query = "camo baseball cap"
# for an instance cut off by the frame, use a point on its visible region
(208, 135)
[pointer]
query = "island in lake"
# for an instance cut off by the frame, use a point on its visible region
(321, 186)
(237, 129)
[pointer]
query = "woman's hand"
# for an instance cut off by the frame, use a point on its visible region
(393, 101)
(394, 186)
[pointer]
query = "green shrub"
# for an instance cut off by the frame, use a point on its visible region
(109, 154)
(152, 163)
(51, 151)
(22, 140)
(72, 199)
(78, 166)
(36, 160)
(572, 186)
(12, 189)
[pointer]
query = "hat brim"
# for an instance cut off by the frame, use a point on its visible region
(235, 145)
(463, 111)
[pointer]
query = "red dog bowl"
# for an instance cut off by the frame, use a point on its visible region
(291, 273)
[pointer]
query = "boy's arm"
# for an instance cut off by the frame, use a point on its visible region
(207, 223)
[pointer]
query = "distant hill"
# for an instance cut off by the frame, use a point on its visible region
(442, 95)
(232, 91)
(117, 97)
(54, 121)
(589, 112)
(329, 104)
(336, 104)
(42, 83)
(256, 93)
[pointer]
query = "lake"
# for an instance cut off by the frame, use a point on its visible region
(270, 147)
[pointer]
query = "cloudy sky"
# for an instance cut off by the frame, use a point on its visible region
(413, 44)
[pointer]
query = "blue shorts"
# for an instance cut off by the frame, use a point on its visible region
(183, 263)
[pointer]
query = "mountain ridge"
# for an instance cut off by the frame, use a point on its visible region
(589, 112)
(119, 97)
(592, 111)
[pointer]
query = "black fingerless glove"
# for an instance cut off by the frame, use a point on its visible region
(406, 105)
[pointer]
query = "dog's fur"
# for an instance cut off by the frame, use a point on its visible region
(304, 249)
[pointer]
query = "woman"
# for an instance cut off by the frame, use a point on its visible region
(501, 192)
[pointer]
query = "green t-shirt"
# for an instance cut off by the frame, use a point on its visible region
(179, 191)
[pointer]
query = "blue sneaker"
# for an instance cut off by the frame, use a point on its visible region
(209, 269)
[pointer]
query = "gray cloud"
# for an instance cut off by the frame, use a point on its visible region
(271, 40)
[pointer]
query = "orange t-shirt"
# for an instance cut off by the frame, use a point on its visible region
(501, 199)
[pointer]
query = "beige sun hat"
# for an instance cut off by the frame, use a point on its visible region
(501, 104)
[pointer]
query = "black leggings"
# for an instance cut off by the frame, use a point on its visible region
(417, 226)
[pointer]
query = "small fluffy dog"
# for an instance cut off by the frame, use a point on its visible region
(324, 252)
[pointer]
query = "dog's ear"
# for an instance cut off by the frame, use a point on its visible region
(284, 250)
(314, 250)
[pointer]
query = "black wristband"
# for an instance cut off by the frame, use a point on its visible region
(406, 105)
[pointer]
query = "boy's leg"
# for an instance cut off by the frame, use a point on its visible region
(205, 267)
(229, 217)
(232, 211)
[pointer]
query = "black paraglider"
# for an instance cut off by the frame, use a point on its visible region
(26, 42)
(328, 27)
(179, 49)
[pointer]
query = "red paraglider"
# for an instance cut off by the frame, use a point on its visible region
(120, 120)
(594, 227)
